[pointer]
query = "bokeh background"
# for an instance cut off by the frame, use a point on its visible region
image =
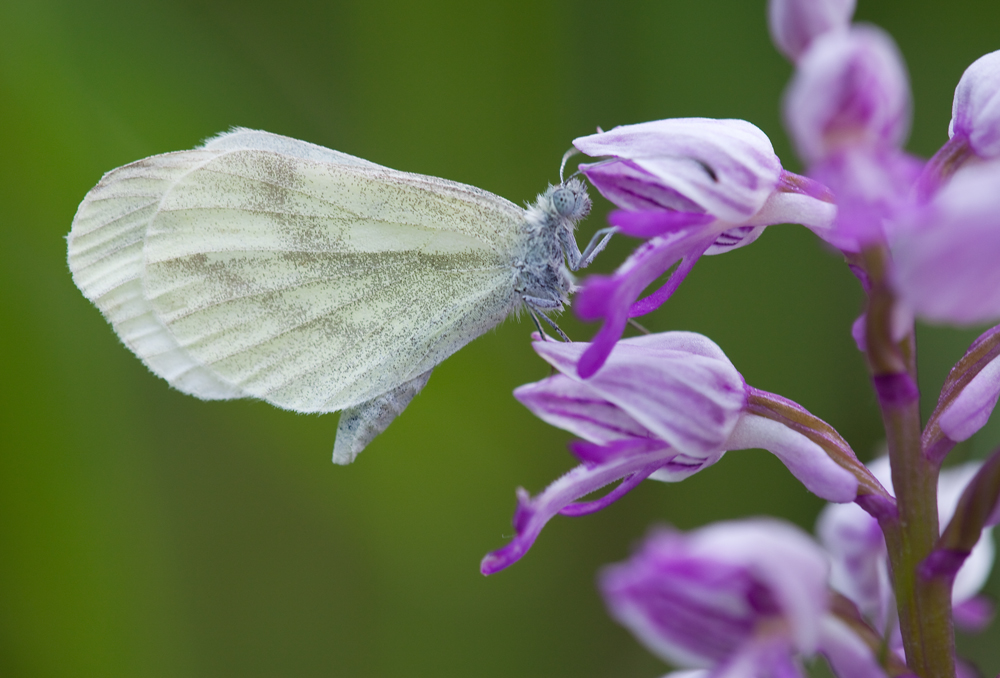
(145, 533)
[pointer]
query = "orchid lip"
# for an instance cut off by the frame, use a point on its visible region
(637, 462)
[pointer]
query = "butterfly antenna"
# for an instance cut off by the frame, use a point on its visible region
(562, 167)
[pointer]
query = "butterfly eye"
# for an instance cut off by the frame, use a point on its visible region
(564, 201)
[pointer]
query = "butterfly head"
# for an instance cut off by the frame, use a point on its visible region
(570, 200)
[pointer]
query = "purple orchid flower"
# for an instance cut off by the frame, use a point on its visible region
(742, 598)
(664, 406)
(690, 186)
(974, 130)
(848, 112)
(860, 562)
(945, 253)
(794, 24)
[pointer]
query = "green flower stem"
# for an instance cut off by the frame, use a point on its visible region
(924, 604)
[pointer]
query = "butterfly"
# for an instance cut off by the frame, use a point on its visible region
(263, 266)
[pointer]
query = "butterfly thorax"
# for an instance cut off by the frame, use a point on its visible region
(541, 273)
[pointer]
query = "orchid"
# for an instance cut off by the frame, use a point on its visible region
(848, 111)
(689, 186)
(742, 598)
(666, 406)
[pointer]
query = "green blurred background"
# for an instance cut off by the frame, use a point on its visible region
(145, 533)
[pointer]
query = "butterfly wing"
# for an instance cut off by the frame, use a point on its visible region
(262, 266)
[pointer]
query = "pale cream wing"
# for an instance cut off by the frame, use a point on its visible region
(243, 139)
(106, 258)
(315, 281)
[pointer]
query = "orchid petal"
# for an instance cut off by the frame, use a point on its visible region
(847, 652)
(945, 255)
(733, 238)
(785, 559)
(533, 513)
(725, 167)
(585, 508)
(974, 614)
(872, 185)
(975, 113)
(689, 400)
(858, 551)
(652, 223)
(712, 596)
(654, 300)
(630, 187)
(572, 406)
(807, 461)
(610, 298)
(972, 408)
(682, 467)
(767, 656)
(796, 208)
(859, 562)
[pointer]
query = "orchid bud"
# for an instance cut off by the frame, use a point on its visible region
(850, 90)
(971, 408)
(794, 24)
(975, 113)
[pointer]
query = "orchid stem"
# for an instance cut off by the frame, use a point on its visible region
(924, 602)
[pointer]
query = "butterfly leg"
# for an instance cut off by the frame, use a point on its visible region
(538, 325)
(535, 307)
(594, 247)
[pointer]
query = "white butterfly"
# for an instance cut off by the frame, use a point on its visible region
(262, 266)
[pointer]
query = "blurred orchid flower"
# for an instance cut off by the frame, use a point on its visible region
(741, 598)
(945, 252)
(848, 111)
(794, 24)
(860, 567)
